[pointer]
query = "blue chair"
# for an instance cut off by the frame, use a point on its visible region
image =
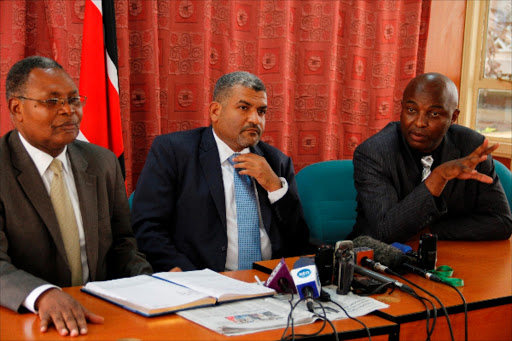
(130, 200)
(506, 180)
(328, 196)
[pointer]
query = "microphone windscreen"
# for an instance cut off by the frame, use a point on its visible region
(383, 253)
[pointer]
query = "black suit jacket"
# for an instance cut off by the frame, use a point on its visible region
(394, 205)
(179, 214)
(31, 248)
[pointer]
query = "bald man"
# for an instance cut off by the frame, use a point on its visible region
(428, 174)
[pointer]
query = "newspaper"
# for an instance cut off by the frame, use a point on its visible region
(245, 317)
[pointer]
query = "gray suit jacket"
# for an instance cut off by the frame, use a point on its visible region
(394, 205)
(31, 247)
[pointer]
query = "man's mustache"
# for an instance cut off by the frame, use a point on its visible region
(252, 126)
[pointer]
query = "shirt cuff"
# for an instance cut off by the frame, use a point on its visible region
(278, 194)
(31, 299)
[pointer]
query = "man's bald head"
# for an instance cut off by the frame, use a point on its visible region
(429, 107)
(436, 84)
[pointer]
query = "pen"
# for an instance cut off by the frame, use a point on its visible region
(257, 280)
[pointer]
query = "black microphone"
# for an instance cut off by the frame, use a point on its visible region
(423, 273)
(370, 263)
(384, 253)
(414, 269)
(381, 278)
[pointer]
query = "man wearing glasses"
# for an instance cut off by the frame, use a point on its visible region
(64, 216)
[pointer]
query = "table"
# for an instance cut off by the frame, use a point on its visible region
(122, 324)
(485, 267)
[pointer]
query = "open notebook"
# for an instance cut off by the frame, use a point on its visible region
(167, 292)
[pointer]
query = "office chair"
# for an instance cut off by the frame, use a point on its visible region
(505, 178)
(328, 196)
(130, 200)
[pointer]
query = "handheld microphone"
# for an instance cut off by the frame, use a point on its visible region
(407, 266)
(427, 251)
(324, 263)
(370, 263)
(307, 282)
(384, 253)
(281, 279)
(381, 278)
(423, 273)
(344, 266)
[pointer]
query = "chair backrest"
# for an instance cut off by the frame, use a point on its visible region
(328, 197)
(130, 200)
(506, 180)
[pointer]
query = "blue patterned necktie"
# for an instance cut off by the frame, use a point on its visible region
(247, 219)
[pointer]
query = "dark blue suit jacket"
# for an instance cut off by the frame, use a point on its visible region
(179, 214)
(394, 205)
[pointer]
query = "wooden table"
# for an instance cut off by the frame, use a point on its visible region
(485, 267)
(122, 324)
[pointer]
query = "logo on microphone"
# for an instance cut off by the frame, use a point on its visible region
(304, 273)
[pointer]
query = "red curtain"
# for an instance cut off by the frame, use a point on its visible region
(334, 70)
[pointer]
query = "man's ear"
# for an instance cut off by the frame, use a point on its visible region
(455, 115)
(214, 109)
(16, 109)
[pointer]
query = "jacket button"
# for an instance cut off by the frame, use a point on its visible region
(223, 248)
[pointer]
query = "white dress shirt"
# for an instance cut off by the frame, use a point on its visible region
(229, 194)
(42, 162)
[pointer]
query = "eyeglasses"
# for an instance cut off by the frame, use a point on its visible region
(57, 103)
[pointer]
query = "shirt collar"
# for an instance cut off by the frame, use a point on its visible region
(224, 150)
(41, 159)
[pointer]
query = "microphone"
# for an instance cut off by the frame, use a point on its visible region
(281, 279)
(370, 263)
(324, 263)
(423, 273)
(404, 266)
(384, 253)
(344, 260)
(381, 278)
(307, 282)
(405, 249)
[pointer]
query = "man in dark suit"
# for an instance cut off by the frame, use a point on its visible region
(185, 213)
(36, 252)
(399, 195)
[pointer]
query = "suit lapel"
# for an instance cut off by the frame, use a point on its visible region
(32, 185)
(266, 212)
(406, 175)
(412, 172)
(210, 165)
(87, 197)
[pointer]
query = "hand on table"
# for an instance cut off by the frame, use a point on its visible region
(68, 316)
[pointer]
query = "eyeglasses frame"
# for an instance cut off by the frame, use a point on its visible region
(62, 101)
